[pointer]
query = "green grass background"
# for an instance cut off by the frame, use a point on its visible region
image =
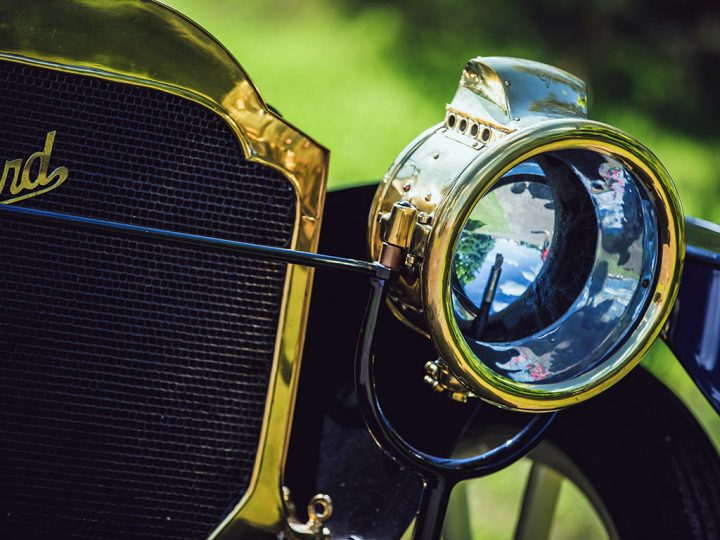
(335, 74)
(348, 75)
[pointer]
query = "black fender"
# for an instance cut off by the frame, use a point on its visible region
(332, 452)
(693, 332)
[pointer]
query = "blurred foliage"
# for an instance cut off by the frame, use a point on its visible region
(656, 58)
(364, 77)
(473, 248)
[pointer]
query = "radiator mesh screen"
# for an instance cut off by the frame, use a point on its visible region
(133, 374)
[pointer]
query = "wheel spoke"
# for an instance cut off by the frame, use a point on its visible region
(538, 507)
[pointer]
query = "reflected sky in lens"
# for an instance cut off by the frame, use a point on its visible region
(520, 268)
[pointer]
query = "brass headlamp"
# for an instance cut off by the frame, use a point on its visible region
(543, 251)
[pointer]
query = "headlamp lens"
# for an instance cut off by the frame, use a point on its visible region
(554, 266)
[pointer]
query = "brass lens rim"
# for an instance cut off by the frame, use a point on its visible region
(452, 214)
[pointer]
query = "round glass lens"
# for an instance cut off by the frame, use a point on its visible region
(554, 266)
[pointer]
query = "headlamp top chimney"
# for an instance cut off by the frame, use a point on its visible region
(507, 93)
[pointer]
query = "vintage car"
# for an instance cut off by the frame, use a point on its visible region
(162, 244)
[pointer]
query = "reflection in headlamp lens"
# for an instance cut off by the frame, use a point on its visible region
(554, 266)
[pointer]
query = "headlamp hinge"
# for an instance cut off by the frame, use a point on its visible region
(438, 376)
(405, 233)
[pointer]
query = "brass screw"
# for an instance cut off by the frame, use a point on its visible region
(431, 368)
(436, 386)
(460, 397)
(410, 260)
(424, 218)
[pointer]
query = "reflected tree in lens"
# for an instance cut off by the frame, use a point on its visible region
(473, 249)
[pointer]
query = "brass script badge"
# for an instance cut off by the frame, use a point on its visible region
(21, 184)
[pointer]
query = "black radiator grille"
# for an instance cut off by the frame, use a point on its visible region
(133, 373)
